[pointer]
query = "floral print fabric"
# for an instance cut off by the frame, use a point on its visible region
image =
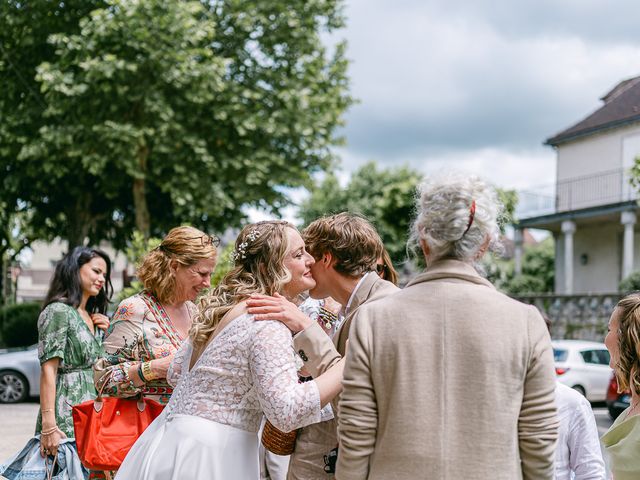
(140, 331)
(63, 334)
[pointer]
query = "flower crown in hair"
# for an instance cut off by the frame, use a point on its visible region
(241, 251)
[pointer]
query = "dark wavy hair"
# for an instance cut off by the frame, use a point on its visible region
(65, 286)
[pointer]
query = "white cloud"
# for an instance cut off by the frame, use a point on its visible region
(478, 85)
(438, 78)
(517, 169)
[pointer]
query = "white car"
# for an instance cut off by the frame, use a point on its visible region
(19, 374)
(583, 366)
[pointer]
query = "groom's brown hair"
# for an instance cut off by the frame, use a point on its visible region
(350, 239)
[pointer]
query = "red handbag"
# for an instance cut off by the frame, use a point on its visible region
(106, 428)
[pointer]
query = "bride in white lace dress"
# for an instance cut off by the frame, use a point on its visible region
(233, 369)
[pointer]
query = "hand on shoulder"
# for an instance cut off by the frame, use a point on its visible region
(277, 307)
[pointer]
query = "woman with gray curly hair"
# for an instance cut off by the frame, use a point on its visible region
(449, 378)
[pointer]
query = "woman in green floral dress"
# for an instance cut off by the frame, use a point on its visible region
(70, 340)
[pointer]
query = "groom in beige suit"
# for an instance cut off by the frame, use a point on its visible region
(346, 248)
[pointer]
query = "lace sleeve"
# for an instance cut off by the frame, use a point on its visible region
(179, 364)
(285, 402)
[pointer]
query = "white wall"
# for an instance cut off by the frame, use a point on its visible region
(597, 153)
(589, 155)
(603, 245)
(593, 155)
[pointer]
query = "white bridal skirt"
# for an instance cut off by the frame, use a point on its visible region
(189, 447)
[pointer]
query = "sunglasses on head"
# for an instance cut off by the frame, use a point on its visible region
(207, 240)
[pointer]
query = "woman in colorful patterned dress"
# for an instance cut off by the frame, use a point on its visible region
(148, 328)
(69, 340)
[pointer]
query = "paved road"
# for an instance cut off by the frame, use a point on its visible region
(17, 423)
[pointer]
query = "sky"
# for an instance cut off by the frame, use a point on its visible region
(479, 85)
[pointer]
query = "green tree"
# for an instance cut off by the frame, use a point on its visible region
(11, 244)
(385, 196)
(224, 265)
(631, 283)
(509, 200)
(31, 195)
(138, 247)
(157, 113)
(538, 270)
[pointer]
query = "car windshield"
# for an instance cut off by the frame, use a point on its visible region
(560, 355)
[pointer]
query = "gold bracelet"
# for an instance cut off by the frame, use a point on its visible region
(47, 410)
(146, 371)
(49, 432)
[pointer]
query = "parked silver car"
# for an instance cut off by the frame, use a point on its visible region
(19, 374)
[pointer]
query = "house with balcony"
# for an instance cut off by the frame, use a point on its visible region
(591, 211)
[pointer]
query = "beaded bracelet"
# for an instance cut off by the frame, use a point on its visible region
(328, 318)
(141, 372)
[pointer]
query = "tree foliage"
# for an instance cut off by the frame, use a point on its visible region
(538, 270)
(149, 113)
(385, 196)
(631, 283)
(19, 324)
(509, 200)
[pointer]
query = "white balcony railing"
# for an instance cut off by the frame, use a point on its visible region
(577, 193)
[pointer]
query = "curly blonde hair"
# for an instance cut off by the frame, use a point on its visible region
(627, 369)
(258, 268)
(186, 245)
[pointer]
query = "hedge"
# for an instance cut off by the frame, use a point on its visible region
(20, 324)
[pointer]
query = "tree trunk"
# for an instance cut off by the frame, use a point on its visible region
(77, 233)
(143, 221)
(79, 221)
(4, 291)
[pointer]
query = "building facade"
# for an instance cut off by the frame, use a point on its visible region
(592, 209)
